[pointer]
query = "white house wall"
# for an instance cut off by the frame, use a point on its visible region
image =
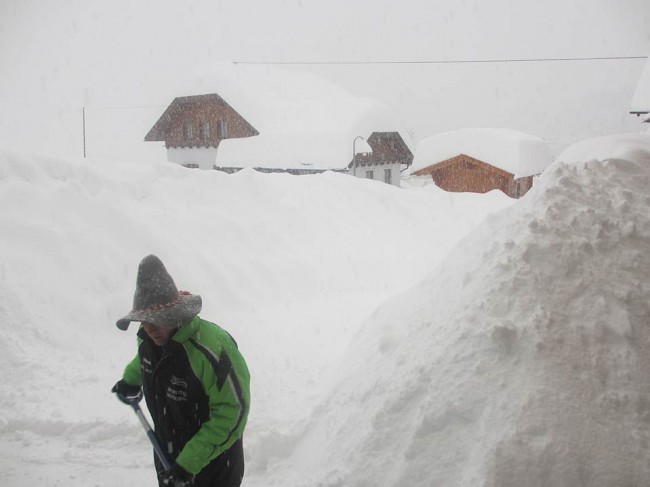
(204, 157)
(378, 172)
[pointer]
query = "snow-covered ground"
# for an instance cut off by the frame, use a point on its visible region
(395, 336)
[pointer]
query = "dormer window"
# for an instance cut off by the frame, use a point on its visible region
(189, 133)
(205, 131)
(223, 129)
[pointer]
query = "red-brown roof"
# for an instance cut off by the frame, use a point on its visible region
(160, 130)
(387, 147)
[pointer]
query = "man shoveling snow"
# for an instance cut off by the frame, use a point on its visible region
(195, 382)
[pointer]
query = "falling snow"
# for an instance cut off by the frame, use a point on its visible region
(395, 336)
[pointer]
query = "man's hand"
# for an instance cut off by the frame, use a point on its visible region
(176, 476)
(127, 393)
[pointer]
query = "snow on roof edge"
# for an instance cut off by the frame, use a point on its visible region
(513, 151)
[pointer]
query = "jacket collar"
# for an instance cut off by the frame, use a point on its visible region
(187, 331)
(183, 334)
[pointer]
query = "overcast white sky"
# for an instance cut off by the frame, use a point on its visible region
(58, 56)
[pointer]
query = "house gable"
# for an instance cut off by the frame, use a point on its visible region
(387, 148)
(463, 173)
(199, 121)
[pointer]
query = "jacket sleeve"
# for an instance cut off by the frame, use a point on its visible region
(132, 374)
(225, 379)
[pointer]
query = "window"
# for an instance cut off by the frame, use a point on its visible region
(388, 176)
(205, 131)
(370, 174)
(189, 133)
(223, 129)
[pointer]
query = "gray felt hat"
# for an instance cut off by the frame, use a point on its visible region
(157, 300)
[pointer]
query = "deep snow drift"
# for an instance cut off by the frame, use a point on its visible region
(522, 360)
(291, 266)
(386, 350)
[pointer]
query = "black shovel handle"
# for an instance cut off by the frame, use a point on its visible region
(155, 442)
(133, 401)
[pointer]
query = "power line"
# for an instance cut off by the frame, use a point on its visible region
(123, 107)
(446, 61)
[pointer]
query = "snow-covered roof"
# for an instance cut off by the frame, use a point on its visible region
(320, 151)
(630, 147)
(641, 98)
(303, 120)
(515, 152)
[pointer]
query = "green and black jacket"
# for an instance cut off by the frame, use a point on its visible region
(197, 389)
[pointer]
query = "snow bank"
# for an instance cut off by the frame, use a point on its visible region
(290, 265)
(522, 360)
(518, 153)
(380, 356)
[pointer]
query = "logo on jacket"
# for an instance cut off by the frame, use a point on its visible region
(178, 382)
(177, 389)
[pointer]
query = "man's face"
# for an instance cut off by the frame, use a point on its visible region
(158, 334)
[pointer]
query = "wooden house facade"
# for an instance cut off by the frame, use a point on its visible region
(463, 173)
(479, 160)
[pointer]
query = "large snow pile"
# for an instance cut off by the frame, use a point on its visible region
(518, 153)
(291, 266)
(385, 350)
(522, 360)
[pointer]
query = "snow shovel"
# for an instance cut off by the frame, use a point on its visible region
(133, 401)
